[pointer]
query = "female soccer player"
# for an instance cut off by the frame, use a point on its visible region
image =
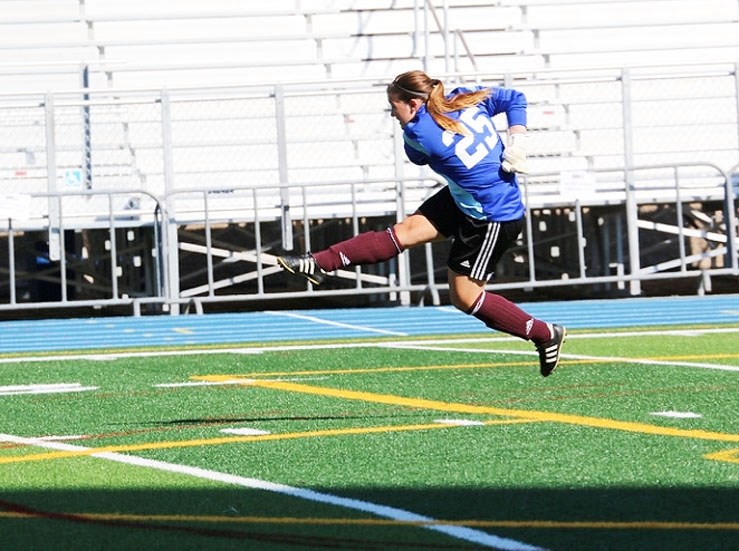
(480, 209)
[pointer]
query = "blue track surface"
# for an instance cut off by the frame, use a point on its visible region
(125, 332)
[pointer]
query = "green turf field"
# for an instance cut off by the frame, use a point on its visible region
(436, 443)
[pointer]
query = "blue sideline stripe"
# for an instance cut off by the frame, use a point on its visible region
(126, 332)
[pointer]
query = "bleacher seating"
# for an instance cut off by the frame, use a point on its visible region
(544, 46)
(158, 43)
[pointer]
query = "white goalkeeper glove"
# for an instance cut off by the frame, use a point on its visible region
(514, 156)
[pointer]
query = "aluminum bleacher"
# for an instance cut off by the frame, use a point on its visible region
(565, 55)
(158, 43)
(232, 116)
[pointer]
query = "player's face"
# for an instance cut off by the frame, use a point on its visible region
(404, 111)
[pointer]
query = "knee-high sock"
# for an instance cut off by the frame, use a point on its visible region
(501, 314)
(366, 248)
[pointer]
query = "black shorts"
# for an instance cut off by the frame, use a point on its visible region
(477, 245)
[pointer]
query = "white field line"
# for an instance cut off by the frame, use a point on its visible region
(109, 356)
(331, 346)
(619, 359)
(644, 361)
(477, 537)
(117, 355)
(200, 383)
(245, 431)
(336, 323)
(61, 437)
(233, 382)
(677, 414)
(97, 356)
(57, 388)
(460, 422)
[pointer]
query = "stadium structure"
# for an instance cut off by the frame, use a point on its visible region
(157, 156)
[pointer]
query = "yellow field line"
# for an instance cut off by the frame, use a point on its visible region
(730, 456)
(397, 369)
(237, 439)
(389, 399)
(362, 370)
(323, 521)
(726, 356)
(420, 403)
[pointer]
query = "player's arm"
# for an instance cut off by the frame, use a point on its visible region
(511, 102)
(514, 104)
(414, 151)
(514, 154)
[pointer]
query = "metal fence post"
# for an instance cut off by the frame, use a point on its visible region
(732, 229)
(171, 249)
(403, 268)
(11, 261)
(736, 97)
(632, 208)
(54, 236)
(285, 220)
(86, 128)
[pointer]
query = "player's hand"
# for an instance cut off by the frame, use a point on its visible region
(514, 155)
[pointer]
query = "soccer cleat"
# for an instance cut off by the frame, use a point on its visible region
(549, 351)
(304, 265)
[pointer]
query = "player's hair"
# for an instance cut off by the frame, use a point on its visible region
(417, 84)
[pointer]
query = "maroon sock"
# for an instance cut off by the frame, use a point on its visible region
(366, 248)
(502, 315)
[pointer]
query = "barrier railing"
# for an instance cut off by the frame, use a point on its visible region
(135, 253)
(255, 158)
(81, 249)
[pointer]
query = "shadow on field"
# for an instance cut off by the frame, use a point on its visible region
(241, 518)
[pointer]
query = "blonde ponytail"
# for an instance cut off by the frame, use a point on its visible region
(417, 84)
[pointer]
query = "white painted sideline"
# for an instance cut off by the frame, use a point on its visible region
(58, 388)
(619, 359)
(459, 532)
(335, 323)
(412, 343)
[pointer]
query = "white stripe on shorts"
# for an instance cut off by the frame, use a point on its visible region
(486, 251)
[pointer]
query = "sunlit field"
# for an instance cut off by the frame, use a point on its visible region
(437, 442)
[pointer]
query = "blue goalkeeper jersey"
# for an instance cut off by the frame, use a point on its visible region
(471, 164)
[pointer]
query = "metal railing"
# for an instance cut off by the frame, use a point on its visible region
(295, 153)
(102, 248)
(400, 284)
(257, 207)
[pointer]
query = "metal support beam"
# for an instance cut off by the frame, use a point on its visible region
(54, 236)
(286, 221)
(403, 267)
(171, 264)
(632, 209)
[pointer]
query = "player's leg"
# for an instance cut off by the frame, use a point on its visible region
(501, 314)
(472, 261)
(366, 248)
(374, 246)
(495, 311)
